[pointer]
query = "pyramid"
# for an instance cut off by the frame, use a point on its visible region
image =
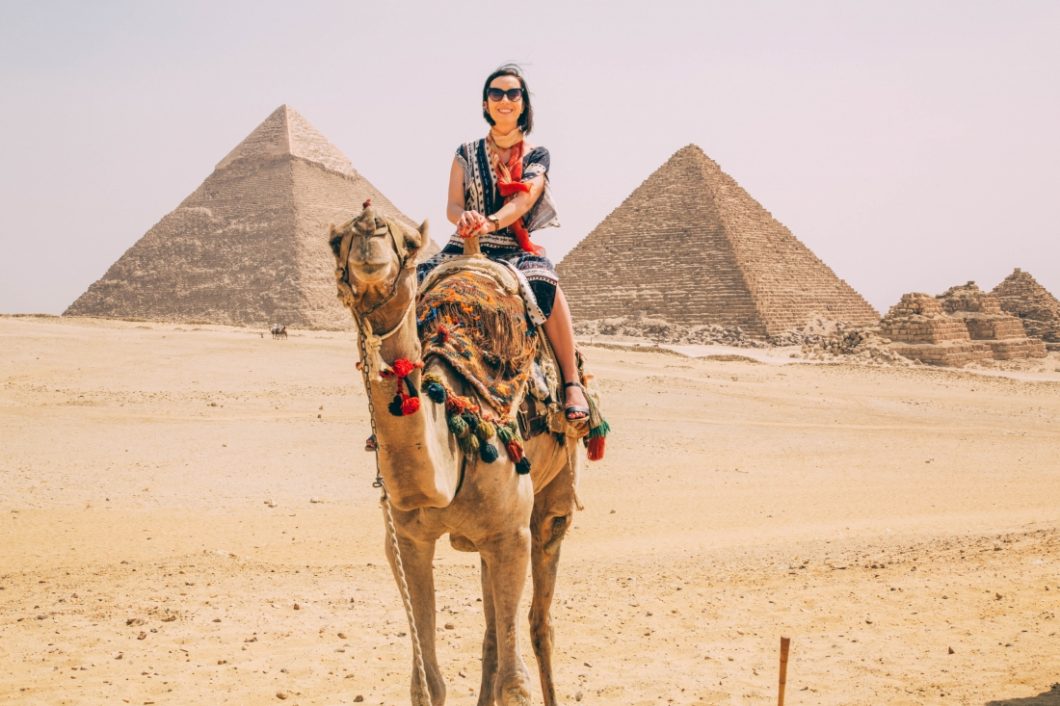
(249, 246)
(691, 246)
(1022, 296)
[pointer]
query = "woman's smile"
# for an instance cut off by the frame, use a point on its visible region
(505, 101)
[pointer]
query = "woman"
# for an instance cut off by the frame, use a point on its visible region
(498, 189)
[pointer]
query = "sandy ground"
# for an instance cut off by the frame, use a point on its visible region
(187, 517)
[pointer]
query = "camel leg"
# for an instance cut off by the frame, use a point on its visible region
(417, 558)
(549, 523)
(489, 642)
(507, 557)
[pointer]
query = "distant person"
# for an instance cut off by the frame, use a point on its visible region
(498, 189)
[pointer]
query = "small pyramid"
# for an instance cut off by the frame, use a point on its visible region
(1022, 296)
(249, 247)
(690, 245)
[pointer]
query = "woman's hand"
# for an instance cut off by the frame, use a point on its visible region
(470, 222)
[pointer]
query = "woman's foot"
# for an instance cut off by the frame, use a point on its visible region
(576, 407)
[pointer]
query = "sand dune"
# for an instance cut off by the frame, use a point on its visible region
(186, 516)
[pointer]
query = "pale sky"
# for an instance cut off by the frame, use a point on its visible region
(912, 145)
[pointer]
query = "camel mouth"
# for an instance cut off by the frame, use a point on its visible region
(371, 271)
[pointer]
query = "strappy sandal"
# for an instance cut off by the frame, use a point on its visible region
(574, 412)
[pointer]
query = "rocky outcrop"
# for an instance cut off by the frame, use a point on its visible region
(981, 312)
(963, 325)
(691, 246)
(1021, 295)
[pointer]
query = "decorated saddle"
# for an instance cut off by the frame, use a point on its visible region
(472, 312)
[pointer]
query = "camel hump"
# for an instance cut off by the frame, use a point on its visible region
(471, 313)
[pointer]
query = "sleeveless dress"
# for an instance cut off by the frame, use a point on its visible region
(480, 194)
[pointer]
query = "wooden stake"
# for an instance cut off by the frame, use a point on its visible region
(785, 645)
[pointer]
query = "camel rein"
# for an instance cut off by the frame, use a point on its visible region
(368, 340)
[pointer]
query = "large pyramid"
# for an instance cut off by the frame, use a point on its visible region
(691, 246)
(249, 246)
(1022, 296)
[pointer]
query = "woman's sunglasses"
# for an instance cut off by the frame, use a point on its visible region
(496, 94)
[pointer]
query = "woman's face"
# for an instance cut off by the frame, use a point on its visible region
(505, 112)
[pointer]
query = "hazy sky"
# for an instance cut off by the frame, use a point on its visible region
(910, 145)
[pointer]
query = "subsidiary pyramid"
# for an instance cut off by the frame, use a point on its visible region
(1022, 296)
(249, 247)
(691, 246)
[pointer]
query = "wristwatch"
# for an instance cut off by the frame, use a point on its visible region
(495, 221)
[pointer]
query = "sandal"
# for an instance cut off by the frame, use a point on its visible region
(575, 413)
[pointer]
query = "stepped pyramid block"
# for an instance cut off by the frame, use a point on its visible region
(1022, 296)
(922, 330)
(249, 247)
(691, 246)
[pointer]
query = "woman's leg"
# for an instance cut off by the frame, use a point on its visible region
(560, 332)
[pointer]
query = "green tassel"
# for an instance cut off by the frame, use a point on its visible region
(458, 426)
(601, 430)
(485, 430)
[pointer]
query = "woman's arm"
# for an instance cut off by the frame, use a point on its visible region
(464, 220)
(522, 202)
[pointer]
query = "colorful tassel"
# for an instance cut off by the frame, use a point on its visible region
(598, 430)
(504, 434)
(515, 451)
(596, 447)
(436, 392)
(488, 452)
(404, 403)
(522, 466)
(485, 430)
(458, 426)
(410, 405)
(472, 420)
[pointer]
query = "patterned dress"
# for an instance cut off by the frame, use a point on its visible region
(480, 194)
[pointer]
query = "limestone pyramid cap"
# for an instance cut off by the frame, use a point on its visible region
(286, 132)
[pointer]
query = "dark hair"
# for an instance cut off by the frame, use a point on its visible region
(526, 118)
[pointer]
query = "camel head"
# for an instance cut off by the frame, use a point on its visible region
(371, 252)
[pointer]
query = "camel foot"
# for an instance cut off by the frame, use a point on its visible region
(461, 544)
(514, 696)
(516, 692)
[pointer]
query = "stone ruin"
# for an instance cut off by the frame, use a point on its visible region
(249, 247)
(963, 325)
(1021, 295)
(691, 246)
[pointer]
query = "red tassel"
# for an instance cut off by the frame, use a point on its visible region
(402, 367)
(410, 405)
(515, 451)
(596, 448)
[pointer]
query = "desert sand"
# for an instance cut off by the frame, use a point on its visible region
(187, 517)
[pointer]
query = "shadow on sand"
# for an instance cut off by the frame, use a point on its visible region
(1046, 698)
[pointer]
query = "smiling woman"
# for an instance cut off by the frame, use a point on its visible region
(498, 190)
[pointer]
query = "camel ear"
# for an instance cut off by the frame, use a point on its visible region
(414, 239)
(334, 239)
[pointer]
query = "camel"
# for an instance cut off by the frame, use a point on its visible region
(434, 488)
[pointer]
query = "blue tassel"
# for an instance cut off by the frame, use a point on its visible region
(523, 466)
(436, 392)
(471, 420)
(488, 452)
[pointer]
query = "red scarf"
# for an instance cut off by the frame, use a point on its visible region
(508, 177)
